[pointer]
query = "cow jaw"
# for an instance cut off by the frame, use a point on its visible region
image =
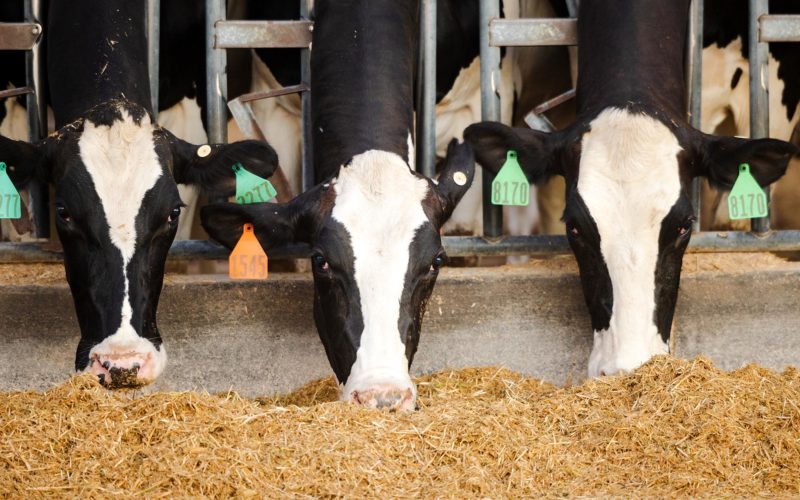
(379, 203)
(122, 163)
(629, 180)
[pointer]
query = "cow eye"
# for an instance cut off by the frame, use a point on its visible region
(63, 213)
(686, 227)
(438, 262)
(174, 214)
(320, 264)
(572, 230)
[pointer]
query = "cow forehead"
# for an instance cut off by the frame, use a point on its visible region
(379, 200)
(122, 162)
(629, 175)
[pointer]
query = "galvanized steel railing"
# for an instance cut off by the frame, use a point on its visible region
(494, 33)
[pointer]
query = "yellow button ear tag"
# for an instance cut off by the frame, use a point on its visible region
(248, 260)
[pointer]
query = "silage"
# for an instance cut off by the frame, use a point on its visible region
(672, 428)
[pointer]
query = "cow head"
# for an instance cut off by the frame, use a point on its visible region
(117, 210)
(628, 214)
(376, 253)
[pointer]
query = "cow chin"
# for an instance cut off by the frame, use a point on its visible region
(611, 356)
(125, 360)
(381, 388)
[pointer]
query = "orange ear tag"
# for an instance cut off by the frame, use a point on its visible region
(248, 260)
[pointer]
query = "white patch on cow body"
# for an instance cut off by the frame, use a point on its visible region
(121, 160)
(379, 203)
(629, 181)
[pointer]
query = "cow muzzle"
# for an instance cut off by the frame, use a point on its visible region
(124, 370)
(387, 397)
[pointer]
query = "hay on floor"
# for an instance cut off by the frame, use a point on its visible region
(674, 427)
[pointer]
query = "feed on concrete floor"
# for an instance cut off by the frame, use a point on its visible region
(674, 427)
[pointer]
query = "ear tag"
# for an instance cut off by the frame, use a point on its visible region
(9, 196)
(251, 188)
(248, 260)
(510, 186)
(746, 200)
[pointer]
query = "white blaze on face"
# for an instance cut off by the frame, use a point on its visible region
(123, 164)
(379, 202)
(629, 181)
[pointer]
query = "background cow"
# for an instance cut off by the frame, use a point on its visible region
(372, 221)
(628, 161)
(115, 175)
(726, 101)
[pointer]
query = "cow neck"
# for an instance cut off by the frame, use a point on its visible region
(362, 73)
(96, 55)
(631, 55)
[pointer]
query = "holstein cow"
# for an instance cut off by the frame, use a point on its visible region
(628, 162)
(115, 176)
(372, 222)
(726, 100)
(457, 92)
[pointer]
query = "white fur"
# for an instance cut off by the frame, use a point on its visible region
(122, 162)
(379, 202)
(629, 181)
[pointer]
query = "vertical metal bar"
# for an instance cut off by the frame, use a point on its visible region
(153, 39)
(38, 193)
(759, 89)
(694, 85)
(426, 95)
(216, 75)
(490, 108)
(307, 153)
(572, 7)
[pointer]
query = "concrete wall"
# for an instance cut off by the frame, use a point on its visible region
(259, 338)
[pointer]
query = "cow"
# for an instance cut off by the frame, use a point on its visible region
(372, 222)
(115, 175)
(628, 162)
(726, 100)
(457, 93)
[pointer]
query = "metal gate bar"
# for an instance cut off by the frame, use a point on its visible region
(426, 90)
(38, 192)
(455, 246)
(694, 87)
(490, 108)
(153, 50)
(216, 75)
(759, 90)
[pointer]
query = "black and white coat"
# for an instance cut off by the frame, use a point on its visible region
(628, 161)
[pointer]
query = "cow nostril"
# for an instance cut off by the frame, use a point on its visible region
(136, 367)
(102, 378)
(388, 400)
(107, 365)
(602, 373)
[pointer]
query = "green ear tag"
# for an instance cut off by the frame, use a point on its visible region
(510, 186)
(251, 188)
(746, 200)
(9, 196)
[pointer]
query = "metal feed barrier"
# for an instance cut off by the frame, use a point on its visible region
(494, 33)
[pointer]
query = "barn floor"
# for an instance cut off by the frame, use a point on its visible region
(259, 338)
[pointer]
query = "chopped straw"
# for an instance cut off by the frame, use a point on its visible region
(672, 428)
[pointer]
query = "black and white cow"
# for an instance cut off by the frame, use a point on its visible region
(457, 93)
(726, 100)
(372, 222)
(115, 174)
(628, 161)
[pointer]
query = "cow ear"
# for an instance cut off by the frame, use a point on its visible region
(718, 158)
(210, 166)
(26, 161)
(275, 224)
(537, 152)
(455, 178)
